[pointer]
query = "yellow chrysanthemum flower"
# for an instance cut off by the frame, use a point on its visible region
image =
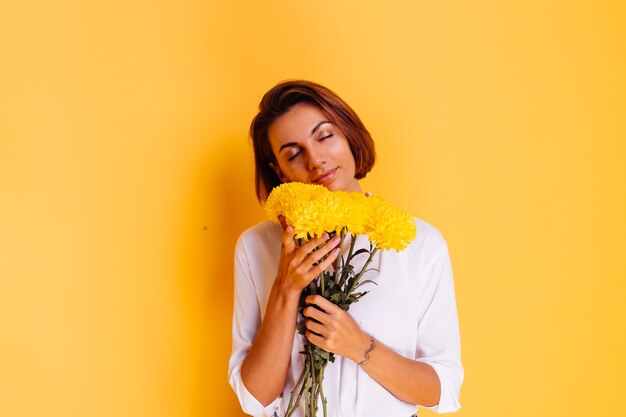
(312, 209)
(285, 195)
(390, 228)
(357, 209)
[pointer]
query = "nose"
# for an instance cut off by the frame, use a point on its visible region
(315, 160)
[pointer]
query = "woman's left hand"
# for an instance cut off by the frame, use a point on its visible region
(409, 380)
(333, 329)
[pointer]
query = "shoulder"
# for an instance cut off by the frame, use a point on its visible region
(429, 241)
(260, 231)
(261, 234)
(428, 233)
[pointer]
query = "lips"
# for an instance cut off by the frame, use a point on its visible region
(326, 177)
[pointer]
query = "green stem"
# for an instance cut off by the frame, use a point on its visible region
(313, 382)
(323, 397)
(348, 259)
(307, 389)
(320, 378)
(352, 243)
(292, 407)
(339, 258)
(358, 277)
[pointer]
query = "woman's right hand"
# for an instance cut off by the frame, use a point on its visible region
(296, 267)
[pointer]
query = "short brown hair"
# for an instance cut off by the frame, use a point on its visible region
(278, 101)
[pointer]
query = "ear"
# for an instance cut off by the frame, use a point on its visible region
(278, 172)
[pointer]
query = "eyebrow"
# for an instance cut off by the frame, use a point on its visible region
(289, 144)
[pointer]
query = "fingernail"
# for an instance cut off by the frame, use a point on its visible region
(336, 239)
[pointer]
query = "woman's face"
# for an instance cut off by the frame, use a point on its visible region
(312, 150)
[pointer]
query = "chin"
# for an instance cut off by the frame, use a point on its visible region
(334, 187)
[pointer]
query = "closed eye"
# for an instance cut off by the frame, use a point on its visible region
(292, 157)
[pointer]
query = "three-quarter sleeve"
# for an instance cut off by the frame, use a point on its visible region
(438, 330)
(246, 323)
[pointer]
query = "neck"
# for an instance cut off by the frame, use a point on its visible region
(354, 186)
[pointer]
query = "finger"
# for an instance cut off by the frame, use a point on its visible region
(315, 270)
(313, 244)
(316, 327)
(316, 339)
(282, 221)
(307, 248)
(312, 312)
(315, 256)
(288, 239)
(327, 306)
(315, 249)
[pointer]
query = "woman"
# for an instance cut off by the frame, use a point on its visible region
(397, 348)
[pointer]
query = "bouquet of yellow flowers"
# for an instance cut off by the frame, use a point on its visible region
(312, 210)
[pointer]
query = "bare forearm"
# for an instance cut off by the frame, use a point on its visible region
(264, 370)
(409, 380)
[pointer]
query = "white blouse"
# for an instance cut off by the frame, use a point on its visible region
(412, 310)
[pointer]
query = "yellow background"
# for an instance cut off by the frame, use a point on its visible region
(126, 177)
